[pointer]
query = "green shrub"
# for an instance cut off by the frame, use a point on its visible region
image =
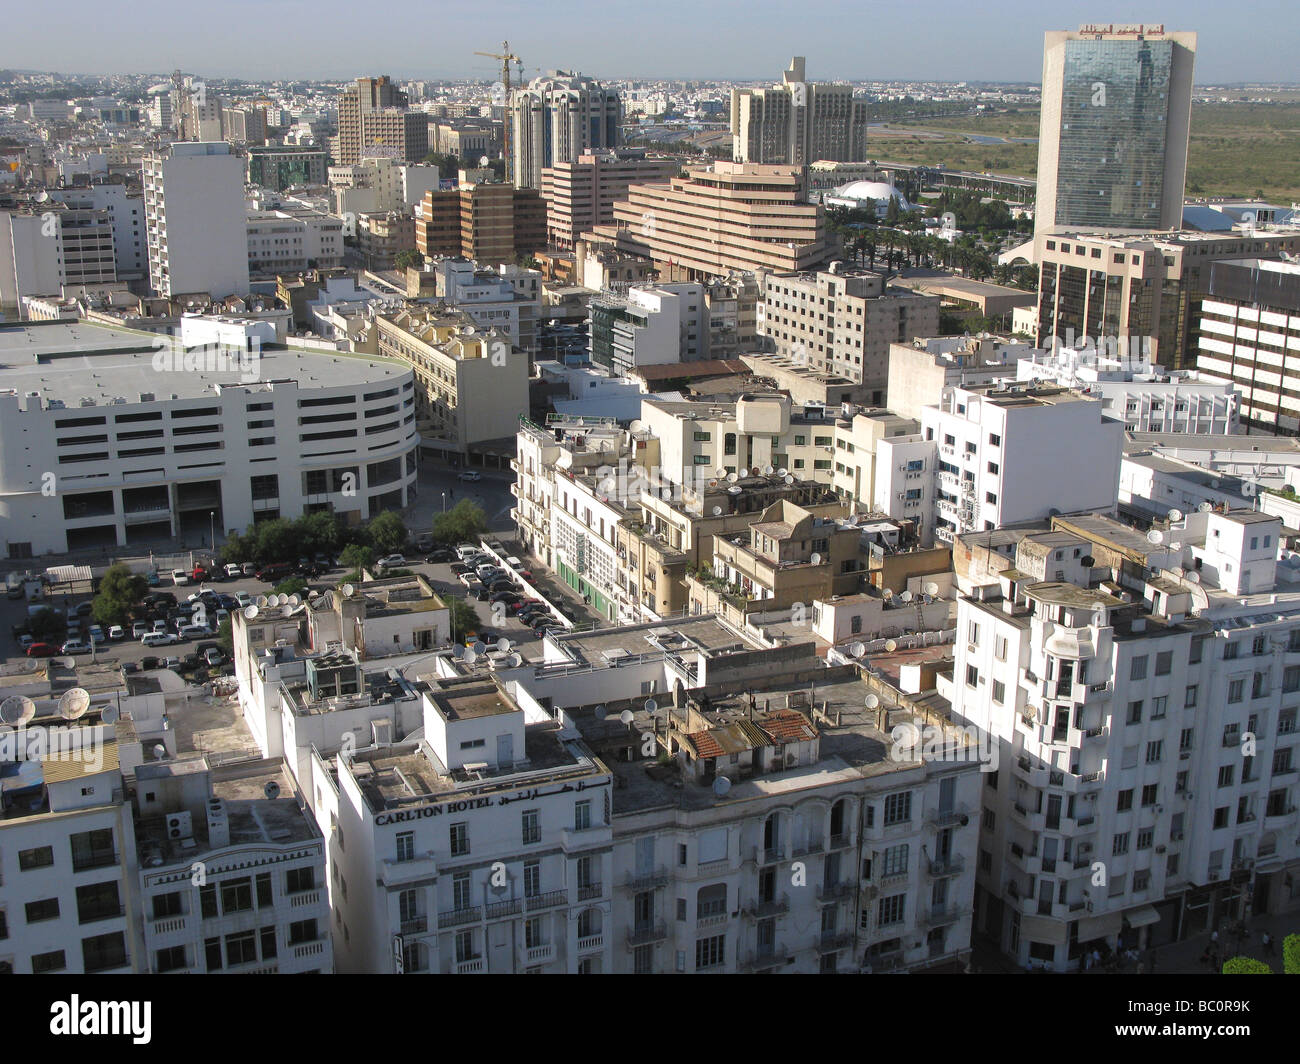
(1246, 966)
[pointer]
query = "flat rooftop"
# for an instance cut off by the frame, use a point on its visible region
(706, 634)
(72, 361)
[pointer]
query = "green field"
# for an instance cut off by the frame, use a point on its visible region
(1238, 149)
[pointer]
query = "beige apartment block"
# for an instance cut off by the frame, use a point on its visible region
(581, 194)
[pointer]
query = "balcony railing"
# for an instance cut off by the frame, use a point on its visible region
(831, 941)
(590, 943)
(835, 891)
(951, 865)
(936, 917)
(648, 880)
(542, 954)
(758, 962)
(457, 917)
(309, 949)
(471, 966)
(840, 842)
(549, 900)
(945, 817)
(591, 890)
(417, 925)
(760, 908)
(643, 934)
(765, 855)
(811, 846)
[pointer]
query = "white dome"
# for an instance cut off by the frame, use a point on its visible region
(880, 191)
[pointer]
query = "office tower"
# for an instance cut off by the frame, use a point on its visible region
(1112, 142)
(195, 220)
(556, 119)
(798, 122)
(278, 167)
(580, 195)
(195, 111)
(490, 223)
(373, 113)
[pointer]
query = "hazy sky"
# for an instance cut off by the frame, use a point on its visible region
(949, 40)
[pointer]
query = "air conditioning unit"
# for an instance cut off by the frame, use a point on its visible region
(1085, 847)
(1160, 849)
(179, 825)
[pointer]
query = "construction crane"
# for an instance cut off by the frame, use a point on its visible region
(506, 57)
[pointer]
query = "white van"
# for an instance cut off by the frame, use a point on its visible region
(158, 639)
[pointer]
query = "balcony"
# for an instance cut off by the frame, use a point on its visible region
(309, 949)
(833, 941)
(835, 891)
(166, 925)
(759, 962)
(417, 925)
(767, 855)
(590, 891)
(458, 917)
(647, 880)
(395, 873)
(572, 839)
(952, 865)
(550, 900)
(644, 934)
(470, 966)
(591, 943)
(543, 954)
(812, 846)
(500, 910)
(938, 917)
(305, 899)
(945, 818)
(758, 908)
(840, 842)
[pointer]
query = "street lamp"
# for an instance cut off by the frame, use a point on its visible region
(212, 529)
(444, 502)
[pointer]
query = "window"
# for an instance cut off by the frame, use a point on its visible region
(169, 960)
(460, 892)
(165, 905)
(40, 857)
(1227, 775)
(302, 931)
(1119, 844)
(265, 896)
(999, 692)
(1138, 668)
(1189, 701)
(236, 896)
(895, 862)
(269, 948)
(296, 880)
(1124, 801)
(1159, 704)
(103, 952)
(1149, 793)
(995, 440)
(532, 823)
(1221, 817)
(459, 839)
(208, 901)
(1155, 751)
(891, 910)
(972, 676)
(48, 962)
(898, 808)
(98, 901)
(1164, 662)
(45, 909)
(532, 879)
(1135, 712)
(241, 948)
(711, 901)
(1236, 689)
(93, 849)
(710, 952)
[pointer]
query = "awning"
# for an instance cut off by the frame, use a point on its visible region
(1142, 917)
(1103, 926)
(1045, 930)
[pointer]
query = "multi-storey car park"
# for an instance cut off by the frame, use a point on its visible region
(110, 438)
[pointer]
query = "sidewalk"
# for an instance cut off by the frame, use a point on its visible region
(1184, 957)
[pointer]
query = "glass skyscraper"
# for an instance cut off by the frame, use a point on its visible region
(1113, 135)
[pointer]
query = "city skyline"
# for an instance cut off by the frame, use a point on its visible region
(1006, 48)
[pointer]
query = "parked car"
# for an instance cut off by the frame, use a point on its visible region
(464, 550)
(324, 562)
(470, 580)
(41, 650)
(508, 597)
(149, 662)
(234, 571)
(439, 556)
(171, 663)
(214, 657)
(274, 573)
(75, 646)
(249, 569)
(116, 633)
(470, 475)
(152, 578)
(514, 563)
(525, 574)
(129, 667)
(391, 561)
(140, 629)
(82, 609)
(180, 577)
(242, 599)
(25, 640)
(194, 631)
(459, 568)
(191, 661)
(97, 634)
(159, 639)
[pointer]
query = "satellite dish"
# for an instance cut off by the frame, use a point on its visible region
(11, 711)
(930, 588)
(159, 751)
(261, 600)
(295, 600)
(514, 661)
(650, 705)
(872, 701)
(721, 474)
(484, 162)
(891, 645)
(815, 558)
(721, 786)
(769, 470)
(503, 644)
(789, 479)
(735, 489)
(349, 590)
(250, 613)
(470, 656)
(1030, 711)
(717, 511)
(1155, 536)
(1205, 507)
(906, 596)
(479, 647)
(110, 714)
(857, 650)
(627, 716)
(733, 477)
(1087, 561)
(1175, 515)
(782, 472)
(74, 703)
(271, 790)
(599, 712)
(1193, 577)
(458, 652)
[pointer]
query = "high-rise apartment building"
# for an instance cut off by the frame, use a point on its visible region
(195, 220)
(557, 118)
(721, 218)
(488, 222)
(580, 195)
(1116, 113)
(280, 166)
(798, 122)
(374, 114)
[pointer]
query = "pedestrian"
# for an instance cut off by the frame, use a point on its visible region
(1087, 961)
(451, 493)
(1267, 940)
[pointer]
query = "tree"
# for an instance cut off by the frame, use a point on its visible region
(464, 619)
(463, 523)
(1245, 966)
(1291, 955)
(119, 590)
(356, 557)
(387, 532)
(318, 533)
(293, 586)
(273, 541)
(226, 638)
(237, 548)
(409, 259)
(46, 626)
